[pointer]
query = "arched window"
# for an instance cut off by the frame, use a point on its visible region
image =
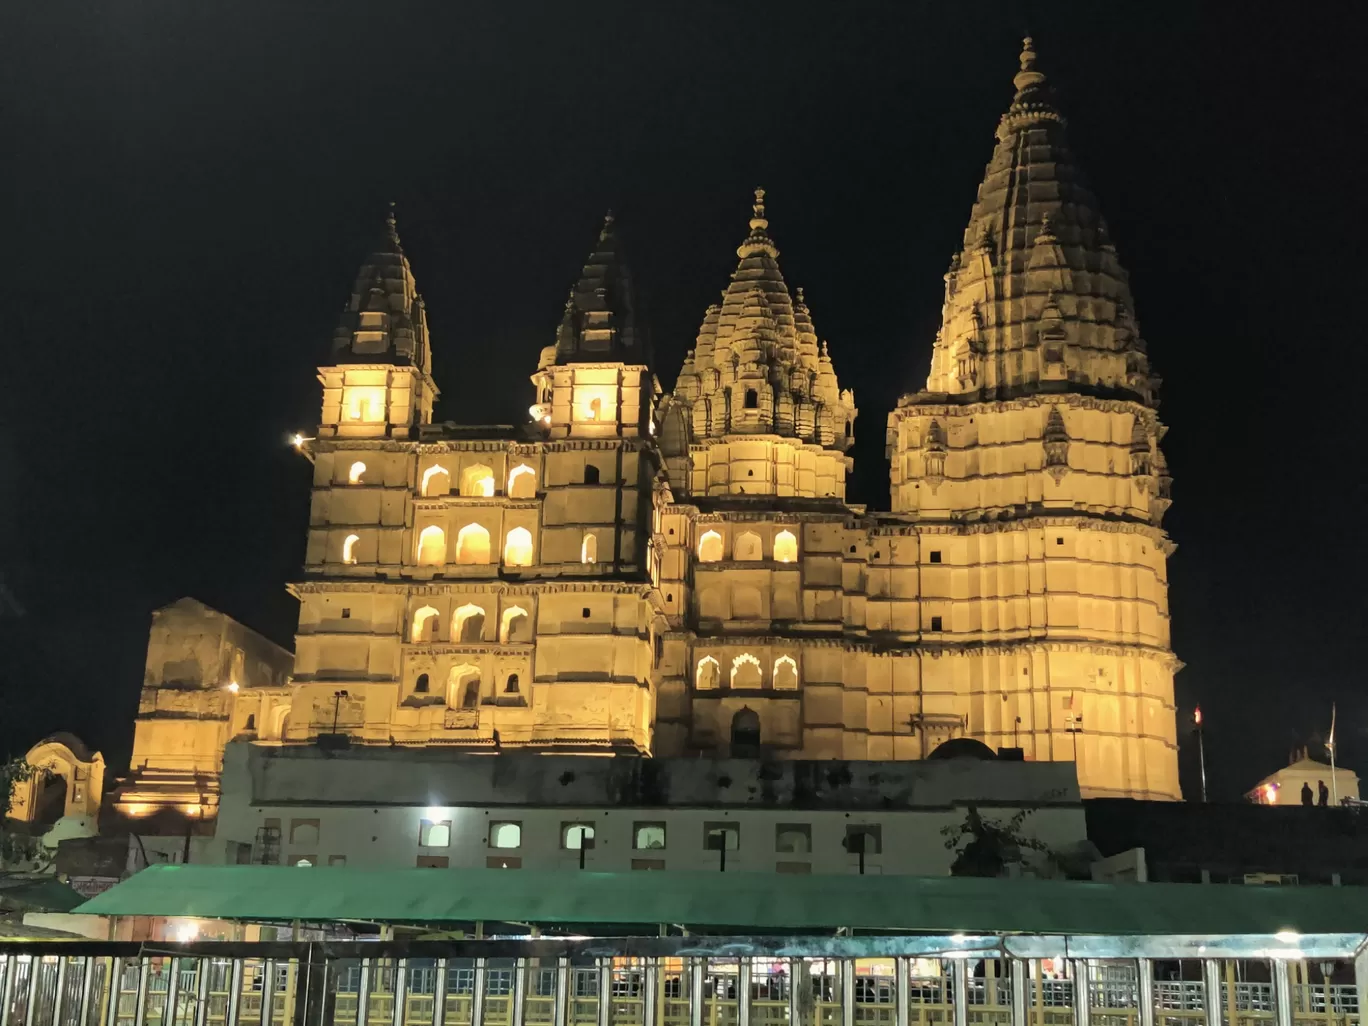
(518, 547)
(420, 686)
(785, 674)
(745, 733)
(349, 548)
(595, 409)
(709, 547)
(522, 482)
(463, 686)
(511, 685)
(752, 399)
(591, 474)
(512, 624)
(251, 722)
(505, 835)
(745, 671)
(354, 474)
(436, 480)
(707, 674)
(279, 724)
(432, 546)
(425, 623)
(589, 549)
(785, 547)
(472, 544)
(747, 546)
(575, 836)
(467, 623)
(477, 480)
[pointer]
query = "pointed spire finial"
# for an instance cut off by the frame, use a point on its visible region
(801, 300)
(758, 210)
(607, 228)
(758, 240)
(391, 225)
(1028, 77)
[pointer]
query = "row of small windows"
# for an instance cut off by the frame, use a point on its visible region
(464, 688)
(789, 838)
(476, 481)
(747, 546)
(745, 672)
(472, 547)
(467, 624)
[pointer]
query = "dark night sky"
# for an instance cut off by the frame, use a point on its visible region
(193, 186)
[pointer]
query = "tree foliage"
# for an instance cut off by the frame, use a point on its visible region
(985, 847)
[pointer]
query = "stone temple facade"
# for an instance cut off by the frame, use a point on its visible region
(681, 573)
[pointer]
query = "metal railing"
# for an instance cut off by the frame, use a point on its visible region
(375, 984)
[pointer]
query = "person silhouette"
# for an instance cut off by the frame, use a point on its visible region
(1324, 794)
(1307, 797)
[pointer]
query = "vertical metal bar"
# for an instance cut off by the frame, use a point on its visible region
(519, 992)
(1144, 990)
(902, 972)
(7, 988)
(477, 999)
(400, 1007)
(1082, 1000)
(59, 996)
(650, 991)
(558, 1014)
(140, 1007)
(87, 980)
(204, 969)
(1021, 982)
(363, 994)
(848, 993)
(268, 992)
(1211, 991)
(959, 980)
(795, 994)
(111, 991)
(439, 994)
(234, 993)
(605, 988)
(172, 993)
(1361, 980)
(743, 981)
(698, 971)
(1282, 994)
(35, 974)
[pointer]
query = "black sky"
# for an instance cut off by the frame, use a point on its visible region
(192, 186)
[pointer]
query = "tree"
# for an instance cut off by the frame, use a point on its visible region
(13, 847)
(990, 846)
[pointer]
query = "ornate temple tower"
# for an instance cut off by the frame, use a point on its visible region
(748, 547)
(1031, 468)
(478, 586)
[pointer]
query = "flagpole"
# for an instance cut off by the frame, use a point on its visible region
(1201, 749)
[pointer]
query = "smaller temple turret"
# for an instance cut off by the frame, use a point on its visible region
(381, 382)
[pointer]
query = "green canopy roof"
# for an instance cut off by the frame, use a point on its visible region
(741, 901)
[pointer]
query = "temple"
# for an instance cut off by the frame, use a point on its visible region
(680, 574)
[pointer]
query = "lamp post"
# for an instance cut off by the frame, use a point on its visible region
(337, 705)
(1201, 748)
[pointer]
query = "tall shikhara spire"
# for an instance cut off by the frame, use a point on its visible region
(756, 367)
(1036, 300)
(600, 321)
(385, 320)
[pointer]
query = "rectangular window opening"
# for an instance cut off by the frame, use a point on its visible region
(937, 623)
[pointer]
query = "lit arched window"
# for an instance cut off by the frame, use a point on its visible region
(785, 547)
(463, 687)
(432, 546)
(477, 480)
(745, 671)
(420, 686)
(589, 549)
(424, 625)
(505, 835)
(511, 685)
(747, 546)
(518, 547)
(472, 544)
(785, 673)
(591, 474)
(522, 482)
(279, 723)
(512, 625)
(709, 547)
(709, 670)
(354, 474)
(595, 409)
(436, 480)
(349, 548)
(467, 623)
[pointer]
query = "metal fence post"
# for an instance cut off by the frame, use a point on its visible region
(1021, 992)
(743, 986)
(477, 997)
(848, 992)
(173, 993)
(1212, 1004)
(519, 992)
(87, 981)
(439, 992)
(1144, 990)
(558, 1014)
(140, 1007)
(59, 995)
(1082, 1000)
(7, 988)
(35, 975)
(1282, 994)
(902, 976)
(205, 969)
(399, 1010)
(650, 991)
(698, 970)
(111, 990)
(959, 981)
(363, 993)
(605, 989)
(795, 994)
